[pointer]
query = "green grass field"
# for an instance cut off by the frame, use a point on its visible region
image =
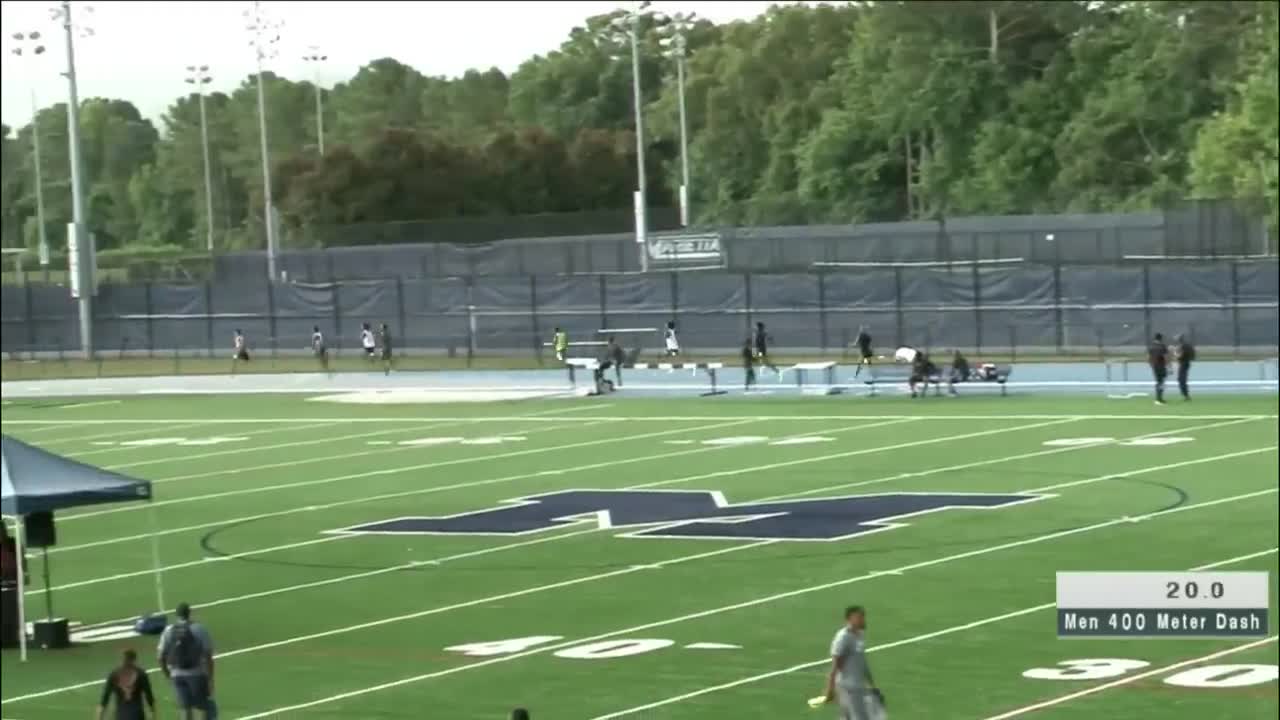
(579, 623)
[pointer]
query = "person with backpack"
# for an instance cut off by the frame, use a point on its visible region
(186, 658)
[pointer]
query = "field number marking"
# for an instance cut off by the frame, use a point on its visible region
(1135, 442)
(162, 441)
(601, 650)
(1208, 676)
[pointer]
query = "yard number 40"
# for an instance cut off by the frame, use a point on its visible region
(603, 650)
(1208, 676)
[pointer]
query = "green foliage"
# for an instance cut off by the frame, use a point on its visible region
(863, 112)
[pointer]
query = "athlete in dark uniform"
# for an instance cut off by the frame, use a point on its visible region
(1185, 353)
(1158, 359)
(384, 341)
(131, 689)
(748, 365)
(864, 349)
(762, 349)
(615, 356)
(922, 368)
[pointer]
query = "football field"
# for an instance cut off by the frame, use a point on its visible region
(685, 558)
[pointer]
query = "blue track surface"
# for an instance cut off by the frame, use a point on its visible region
(1251, 376)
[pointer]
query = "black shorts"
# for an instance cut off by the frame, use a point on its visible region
(242, 355)
(1160, 371)
(866, 353)
(369, 351)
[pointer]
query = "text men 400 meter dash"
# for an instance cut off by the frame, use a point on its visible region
(1162, 604)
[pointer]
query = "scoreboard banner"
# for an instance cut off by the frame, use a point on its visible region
(1163, 604)
(686, 249)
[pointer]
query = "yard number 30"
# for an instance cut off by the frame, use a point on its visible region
(1208, 676)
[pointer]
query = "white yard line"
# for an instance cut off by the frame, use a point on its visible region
(1172, 415)
(994, 461)
(1133, 678)
(706, 613)
(91, 403)
(879, 648)
(235, 470)
(145, 430)
(729, 608)
(387, 496)
(136, 507)
(432, 561)
(332, 538)
(180, 449)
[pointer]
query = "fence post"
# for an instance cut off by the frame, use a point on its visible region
(208, 315)
(334, 297)
(400, 316)
(977, 305)
(604, 302)
(271, 314)
(533, 318)
(471, 321)
(30, 321)
(822, 311)
(897, 303)
(675, 296)
(1146, 302)
(1059, 332)
(151, 331)
(1235, 309)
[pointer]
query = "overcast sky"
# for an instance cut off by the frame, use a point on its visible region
(139, 50)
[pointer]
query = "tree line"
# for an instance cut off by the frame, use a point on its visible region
(827, 114)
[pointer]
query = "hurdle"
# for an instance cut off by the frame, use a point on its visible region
(828, 370)
(711, 368)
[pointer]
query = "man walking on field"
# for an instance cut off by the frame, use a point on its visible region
(185, 656)
(849, 683)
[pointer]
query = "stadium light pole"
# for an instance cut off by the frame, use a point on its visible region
(80, 241)
(678, 48)
(199, 76)
(264, 34)
(630, 24)
(28, 48)
(317, 58)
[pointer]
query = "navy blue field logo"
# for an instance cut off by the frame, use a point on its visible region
(695, 514)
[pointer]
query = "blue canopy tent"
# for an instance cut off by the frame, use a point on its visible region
(33, 480)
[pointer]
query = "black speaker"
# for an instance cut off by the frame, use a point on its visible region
(40, 530)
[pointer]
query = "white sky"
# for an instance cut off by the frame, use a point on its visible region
(139, 50)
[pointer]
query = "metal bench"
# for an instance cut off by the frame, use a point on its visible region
(894, 374)
(889, 374)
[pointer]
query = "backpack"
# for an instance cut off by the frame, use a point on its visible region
(188, 652)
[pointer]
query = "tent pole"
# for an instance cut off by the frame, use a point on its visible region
(20, 540)
(48, 584)
(155, 561)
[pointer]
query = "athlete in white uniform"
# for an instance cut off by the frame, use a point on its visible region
(367, 342)
(673, 345)
(317, 347)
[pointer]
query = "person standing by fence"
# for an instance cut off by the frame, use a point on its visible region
(864, 349)
(1158, 359)
(748, 365)
(1185, 353)
(384, 341)
(185, 655)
